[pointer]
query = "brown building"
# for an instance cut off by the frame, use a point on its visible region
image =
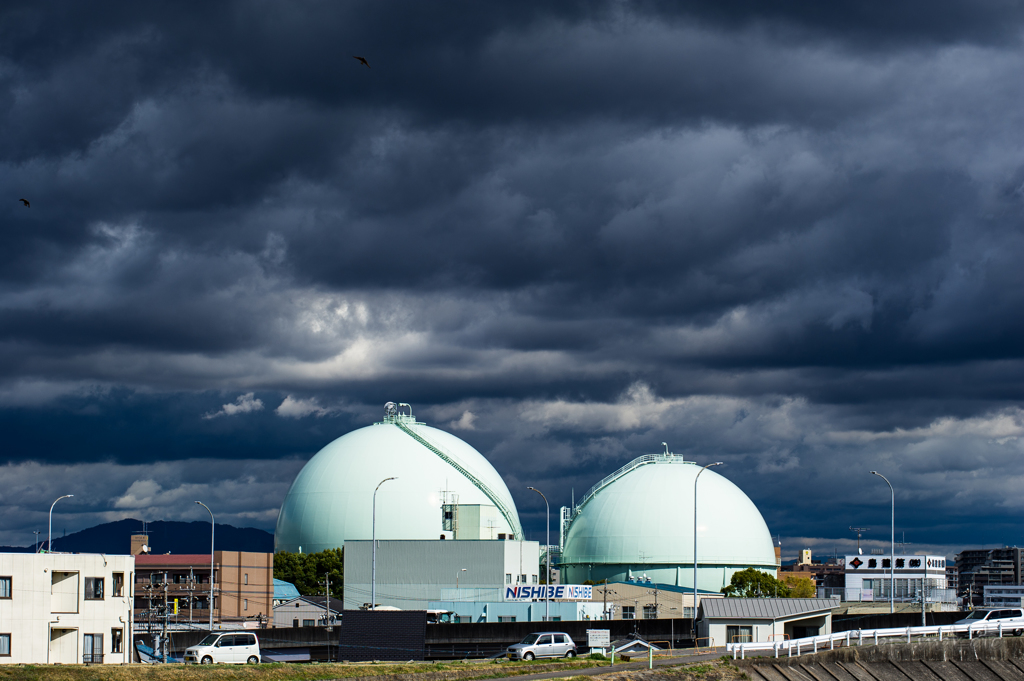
(243, 581)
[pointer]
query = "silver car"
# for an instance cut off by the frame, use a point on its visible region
(544, 644)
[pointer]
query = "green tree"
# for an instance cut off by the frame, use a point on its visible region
(308, 571)
(752, 583)
(800, 587)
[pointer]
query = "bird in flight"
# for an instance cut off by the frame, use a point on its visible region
(25, 201)
(362, 60)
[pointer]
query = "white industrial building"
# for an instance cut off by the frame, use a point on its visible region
(61, 608)
(868, 579)
(411, 573)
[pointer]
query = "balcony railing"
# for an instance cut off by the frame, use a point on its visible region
(92, 658)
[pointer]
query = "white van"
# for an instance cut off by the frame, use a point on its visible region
(1012, 620)
(232, 647)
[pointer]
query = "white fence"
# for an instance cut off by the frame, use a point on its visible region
(814, 644)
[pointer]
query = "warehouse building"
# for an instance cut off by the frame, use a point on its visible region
(412, 573)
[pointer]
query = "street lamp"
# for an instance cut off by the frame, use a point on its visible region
(373, 560)
(547, 554)
(210, 605)
(695, 479)
(892, 547)
(49, 534)
(458, 595)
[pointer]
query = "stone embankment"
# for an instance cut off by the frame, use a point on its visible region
(988, 659)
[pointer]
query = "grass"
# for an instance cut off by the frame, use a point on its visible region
(280, 671)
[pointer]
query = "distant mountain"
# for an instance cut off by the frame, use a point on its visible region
(165, 536)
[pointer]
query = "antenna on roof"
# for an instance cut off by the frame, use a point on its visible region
(859, 531)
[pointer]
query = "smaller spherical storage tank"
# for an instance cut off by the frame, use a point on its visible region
(640, 523)
(331, 500)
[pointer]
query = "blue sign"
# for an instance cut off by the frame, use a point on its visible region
(561, 592)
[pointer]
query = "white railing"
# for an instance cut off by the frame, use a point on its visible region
(860, 637)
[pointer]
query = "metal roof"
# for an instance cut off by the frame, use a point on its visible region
(764, 608)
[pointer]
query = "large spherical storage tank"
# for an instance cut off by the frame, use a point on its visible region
(638, 523)
(331, 500)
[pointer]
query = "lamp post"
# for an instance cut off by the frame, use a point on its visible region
(892, 546)
(49, 533)
(695, 479)
(210, 604)
(458, 595)
(547, 554)
(373, 560)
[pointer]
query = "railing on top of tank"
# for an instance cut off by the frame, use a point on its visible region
(634, 464)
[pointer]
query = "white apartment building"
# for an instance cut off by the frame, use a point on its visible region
(65, 608)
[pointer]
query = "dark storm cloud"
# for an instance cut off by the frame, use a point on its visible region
(783, 234)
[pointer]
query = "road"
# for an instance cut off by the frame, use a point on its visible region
(659, 661)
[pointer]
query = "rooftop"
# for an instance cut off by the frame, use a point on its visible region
(765, 608)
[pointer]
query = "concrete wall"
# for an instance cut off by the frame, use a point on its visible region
(41, 582)
(530, 611)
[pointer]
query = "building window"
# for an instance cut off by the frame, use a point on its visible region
(245, 578)
(116, 640)
(295, 623)
(92, 650)
(309, 623)
(522, 579)
(508, 577)
(628, 612)
(5, 645)
(5, 587)
(245, 604)
(739, 634)
(94, 590)
(535, 579)
(650, 612)
(506, 618)
(118, 584)
(688, 613)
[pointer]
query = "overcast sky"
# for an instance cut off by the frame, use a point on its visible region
(784, 235)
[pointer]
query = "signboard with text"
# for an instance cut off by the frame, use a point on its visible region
(599, 638)
(559, 592)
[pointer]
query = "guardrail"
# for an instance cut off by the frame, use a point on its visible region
(813, 644)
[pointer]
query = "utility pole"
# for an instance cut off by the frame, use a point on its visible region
(167, 613)
(604, 607)
(327, 610)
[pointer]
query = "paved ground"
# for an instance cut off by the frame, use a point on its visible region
(659, 661)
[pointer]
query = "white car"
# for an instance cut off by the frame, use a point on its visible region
(543, 644)
(1012, 620)
(232, 647)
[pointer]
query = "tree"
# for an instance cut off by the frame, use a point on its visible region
(307, 571)
(800, 587)
(753, 583)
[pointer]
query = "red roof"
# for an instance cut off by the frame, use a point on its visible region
(173, 559)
